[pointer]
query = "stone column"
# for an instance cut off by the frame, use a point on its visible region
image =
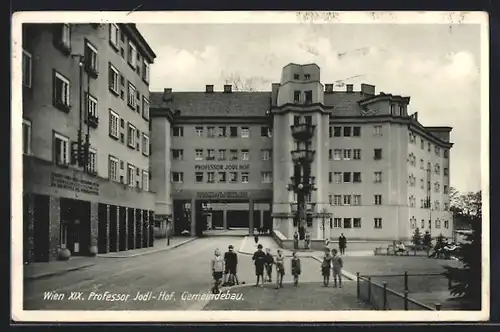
(107, 248)
(133, 228)
(126, 228)
(224, 217)
(117, 228)
(139, 226)
(151, 219)
(94, 224)
(193, 217)
(29, 221)
(261, 218)
(250, 216)
(54, 226)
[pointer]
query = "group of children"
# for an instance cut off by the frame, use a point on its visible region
(224, 269)
(265, 261)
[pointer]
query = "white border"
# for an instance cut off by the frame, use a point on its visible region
(18, 314)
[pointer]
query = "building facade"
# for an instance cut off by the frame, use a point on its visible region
(224, 158)
(86, 139)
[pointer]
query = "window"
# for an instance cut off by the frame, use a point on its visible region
(26, 136)
(130, 175)
(347, 199)
(421, 164)
(222, 177)
(378, 199)
(377, 130)
(337, 131)
(91, 59)
(421, 183)
(347, 222)
(347, 177)
(145, 71)
(63, 37)
(337, 200)
(178, 131)
(296, 76)
(377, 222)
(198, 177)
(357, 200)
(132, 55)
(378, 177)
(27, 65)
(145, 144)
(114, 79)
(198, 154)
(330, 177)
(347, 154)
(199, 131)
(222, 131)
(267, 177)
(445, 171)
(337, 177)
(422, 143)
(177, 154)
(337, 154)
(377, 154)
(307, 77)
(145, 108)
(356, 177)
(357, 154)
(233, 154)
(131, 96)
(429, 147)
(245, 132)
(222, 154)
(393, 109)
(265, 132)
(330, 154)
(233, 131)
(445, 154)
(437, 169)
(296, 97)
(337, 222)
(244, 177)
(145, 181)
(113, 124)
(356, 131)
(178, 177)
(131, 136)
(211, 132)
(61, 147)
(210, 177)
(92, 109)
(113, 168)
(446, 224)
(437, 150)
(245, 155)
(61, 89)
(330, 131)
(347, 132)
(357, 222)
(233, 177)
(266, 154)
(92, 161)
(308, 97)
(114, 32)
(210, 154)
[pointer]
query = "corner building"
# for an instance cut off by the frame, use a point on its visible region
(85, 83)
(224, 159)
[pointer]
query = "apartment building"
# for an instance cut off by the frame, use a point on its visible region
(86, 139)
(378, 173)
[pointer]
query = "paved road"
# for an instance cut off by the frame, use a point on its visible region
(184, 270)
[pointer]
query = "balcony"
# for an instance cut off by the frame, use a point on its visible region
(303, 156)
(93, 121)
(302, 131)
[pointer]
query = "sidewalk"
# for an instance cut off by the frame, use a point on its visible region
(159, 245)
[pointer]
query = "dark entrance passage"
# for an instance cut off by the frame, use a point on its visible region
(182, 216)
(237, 219)
(75, 226)
(268, 220)
(113, 228)
(217, 219)
(41, 228)
(122, 228)
(102, 236)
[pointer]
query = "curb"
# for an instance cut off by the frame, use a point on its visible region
(151, 251)
(58, 273)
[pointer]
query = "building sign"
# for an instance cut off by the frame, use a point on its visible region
(62, 181)
(222, 194)
(221, 167)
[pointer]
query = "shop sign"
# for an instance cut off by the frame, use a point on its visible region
(221, 167)
(67, 182)
(222, 194)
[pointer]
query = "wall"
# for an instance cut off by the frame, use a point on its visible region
(161, 165)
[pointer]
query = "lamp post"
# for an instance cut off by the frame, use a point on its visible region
(323, 215)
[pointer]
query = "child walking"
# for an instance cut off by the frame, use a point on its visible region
(269, 261)
(326, 265)
(295, 268)
(217, 270)
(259, 259)
(280, 269)
(337, 265)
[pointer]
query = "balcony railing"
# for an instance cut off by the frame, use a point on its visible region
(301, 156)
(302, 131)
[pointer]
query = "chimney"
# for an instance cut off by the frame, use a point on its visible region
(275, 87)
(329, 88)
(349, 87)
(368, 89)
(209, 88)
(415, 116)
(227, 88)
(167, 94)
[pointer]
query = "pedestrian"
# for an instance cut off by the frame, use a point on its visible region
(326, 265)
(231, 264)
(269, 261)
(308, 240)
(256, 238)
(342, 243)
(337, 265)
(295, 268)
(217, 271)
(259, 259)
(296, 240)
(280, 269)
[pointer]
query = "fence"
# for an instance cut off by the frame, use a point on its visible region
(381, 297)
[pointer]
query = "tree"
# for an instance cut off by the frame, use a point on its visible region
(466, 280)
(417, 237)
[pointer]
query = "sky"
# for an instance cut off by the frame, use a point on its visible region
(437, 65)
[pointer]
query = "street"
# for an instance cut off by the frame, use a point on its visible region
(184, 271)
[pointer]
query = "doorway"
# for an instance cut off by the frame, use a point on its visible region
(74, 228)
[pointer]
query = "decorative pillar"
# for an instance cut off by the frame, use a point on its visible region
(151, 219)
(117, 228)
(54, 226)
(193, 217)
(261, 218)
(250, 217)
(94, 224)
(132, 228)
(224, 217)
(29, 227)
(106, 236)
(126, 228)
